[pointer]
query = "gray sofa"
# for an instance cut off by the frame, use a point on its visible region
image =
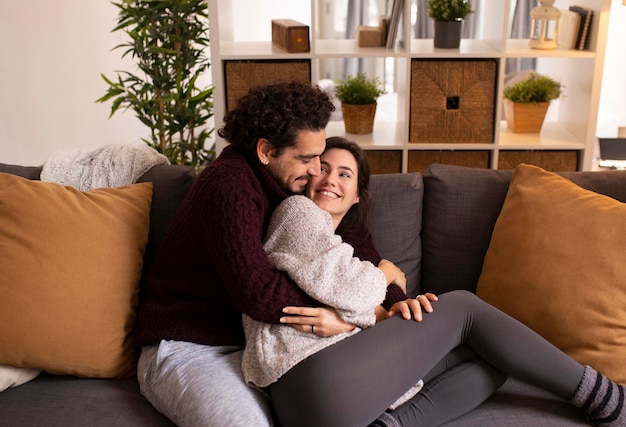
(437, 227)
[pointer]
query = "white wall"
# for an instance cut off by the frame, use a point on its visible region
(52, 54)
(613, 95)
(51, 57)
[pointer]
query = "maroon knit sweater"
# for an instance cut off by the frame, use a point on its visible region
(211, 265)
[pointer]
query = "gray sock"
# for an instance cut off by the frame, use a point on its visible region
(601, 399)
(385, 420)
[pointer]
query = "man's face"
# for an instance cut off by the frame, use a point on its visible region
(293, 168)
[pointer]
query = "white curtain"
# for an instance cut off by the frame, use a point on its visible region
(520, 29)
(358, 14)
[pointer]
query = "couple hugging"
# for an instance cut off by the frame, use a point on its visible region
(333, 339)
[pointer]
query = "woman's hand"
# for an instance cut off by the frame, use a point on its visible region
(381, 313)
(413, 307)
(393, 274)
(320, 321)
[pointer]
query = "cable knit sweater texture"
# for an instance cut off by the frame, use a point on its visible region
(302, 242)
(211, 266)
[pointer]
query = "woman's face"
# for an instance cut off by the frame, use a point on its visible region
(335, 189)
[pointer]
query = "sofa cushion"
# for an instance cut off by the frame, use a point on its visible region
(556, 263)
(520, 404)
(65, 401)
(29, 172)
(461, 206)
(71, 263)
(396, 222)
(170, 185)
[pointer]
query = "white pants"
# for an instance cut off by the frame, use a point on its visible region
(201, 386)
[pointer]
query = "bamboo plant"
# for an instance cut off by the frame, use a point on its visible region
(168, 40)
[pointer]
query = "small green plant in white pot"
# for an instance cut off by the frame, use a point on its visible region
(358, 95)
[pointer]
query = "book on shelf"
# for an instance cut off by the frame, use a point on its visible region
(582, 38)
(569, 24)
(394, 12)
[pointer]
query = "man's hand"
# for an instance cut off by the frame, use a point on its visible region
(321, 321)
(393, 274)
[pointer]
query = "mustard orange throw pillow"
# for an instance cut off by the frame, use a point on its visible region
(556, 263)
(71, 264)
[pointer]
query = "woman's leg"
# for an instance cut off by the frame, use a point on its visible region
(457, 384)
(198, 385)
(453, 393)
(352, 382)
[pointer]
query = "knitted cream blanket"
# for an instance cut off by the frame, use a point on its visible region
(111, 165)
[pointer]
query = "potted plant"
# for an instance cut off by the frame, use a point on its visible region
(358, 95)
(168, 40)
(526, 102)
(448, 16)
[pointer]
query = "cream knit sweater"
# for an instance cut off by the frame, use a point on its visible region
(301, 240)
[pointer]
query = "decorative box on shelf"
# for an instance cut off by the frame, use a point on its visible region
(367, 36)
(290, 35)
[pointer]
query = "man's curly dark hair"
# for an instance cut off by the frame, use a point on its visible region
(276, 112)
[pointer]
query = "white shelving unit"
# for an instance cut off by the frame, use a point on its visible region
(571, 121)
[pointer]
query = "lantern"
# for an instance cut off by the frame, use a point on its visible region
(544, 26)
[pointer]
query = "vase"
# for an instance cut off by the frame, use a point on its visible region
(525, 117)
(448, 34)
(359, 119)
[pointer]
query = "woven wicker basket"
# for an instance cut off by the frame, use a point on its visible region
(240, 76)
(359, 119)
(452, 101)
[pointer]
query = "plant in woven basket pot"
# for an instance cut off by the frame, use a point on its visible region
(448, 16)
(358, 95)
(526, 102)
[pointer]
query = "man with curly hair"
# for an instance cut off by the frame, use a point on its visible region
(211, 266)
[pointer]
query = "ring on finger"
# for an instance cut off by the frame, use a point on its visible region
(417, 297)
(312, 329)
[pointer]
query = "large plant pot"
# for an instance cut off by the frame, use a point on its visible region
(448, 34)
(525, 117)
(359, 119)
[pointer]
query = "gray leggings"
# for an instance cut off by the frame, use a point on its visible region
(464, 351)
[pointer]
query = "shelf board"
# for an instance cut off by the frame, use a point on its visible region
(386, 134)
(553, 136)
(348, 48)
(256, 50)
(518, 48)
(474, 48)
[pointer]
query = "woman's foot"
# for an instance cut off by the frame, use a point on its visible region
(601, 399)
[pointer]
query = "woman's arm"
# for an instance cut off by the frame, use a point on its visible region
(302, 242)
(364, 248)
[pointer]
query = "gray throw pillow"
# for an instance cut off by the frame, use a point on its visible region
(396, 222)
